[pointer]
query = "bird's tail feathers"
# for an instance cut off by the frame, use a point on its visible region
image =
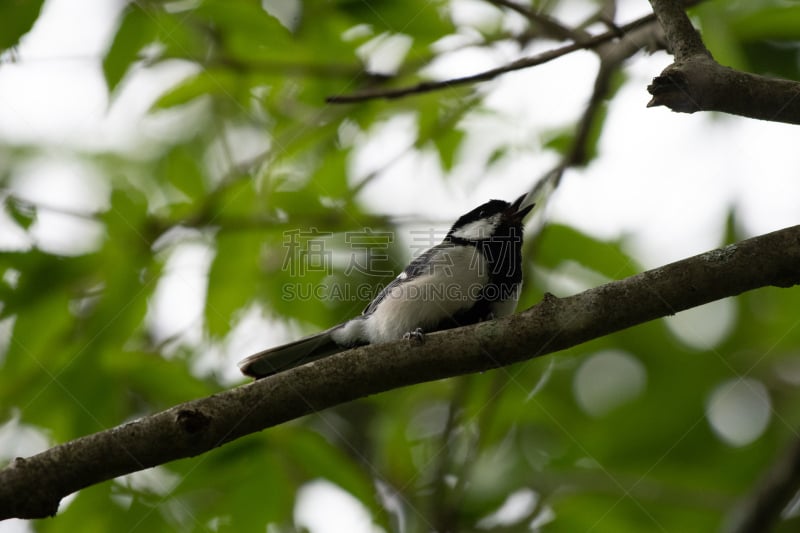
(299, 352)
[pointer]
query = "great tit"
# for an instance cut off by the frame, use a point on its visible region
(474, 274)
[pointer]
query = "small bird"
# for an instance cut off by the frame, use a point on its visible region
(474, 274)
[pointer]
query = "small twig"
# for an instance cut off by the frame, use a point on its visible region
(37, 206)
(550, 25)
(519, 64)
(612, 57)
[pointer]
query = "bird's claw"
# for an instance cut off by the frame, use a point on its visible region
(417, 336)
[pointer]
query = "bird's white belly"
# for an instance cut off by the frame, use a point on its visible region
(507, 306)
(455, 283)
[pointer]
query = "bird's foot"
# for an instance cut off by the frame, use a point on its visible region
(417, 336)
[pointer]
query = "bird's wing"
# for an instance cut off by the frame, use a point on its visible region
(418, 267)
(299, 352)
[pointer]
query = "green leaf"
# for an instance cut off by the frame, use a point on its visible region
(319, 458)
(330, 179)
(720, 38)
(131, 276)
(245, 482)
(233, 279)
(425, 20)
(182, 168)
(158, 382)
(448, 144)
(561, 141)
(497, 155)
(560, 243)
(244, 16)
(774, 58)
(29, 349)
(119, 506)
(205, 83)
(237, 199)
(327, 44)
(135, 31)
(16, 19)
(438, 121)
(776, 22)
(23, 213)
(41, 275)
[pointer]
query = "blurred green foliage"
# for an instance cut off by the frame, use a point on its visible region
(16, 19)
(81, 355)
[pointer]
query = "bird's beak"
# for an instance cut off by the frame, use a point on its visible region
(517, 211)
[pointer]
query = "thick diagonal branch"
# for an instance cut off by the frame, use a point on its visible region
(33, 487)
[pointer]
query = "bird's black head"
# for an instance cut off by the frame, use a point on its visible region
(495, 218)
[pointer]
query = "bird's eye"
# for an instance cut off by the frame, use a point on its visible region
(481, 213)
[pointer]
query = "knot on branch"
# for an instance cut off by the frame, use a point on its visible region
(720, 254)
(192, 420)
(685, 86)
(696, 82)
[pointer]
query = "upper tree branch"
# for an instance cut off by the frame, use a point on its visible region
(33, 487)
(549, 25)
(526, 62)
(695, 82)
(678, 30)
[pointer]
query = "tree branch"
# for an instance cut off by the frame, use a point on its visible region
(526, 62)
(549, 25)
(33, 487)
(678, 30)
(696, 82)
(612, 57)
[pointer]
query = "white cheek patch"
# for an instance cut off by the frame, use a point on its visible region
(480, 229)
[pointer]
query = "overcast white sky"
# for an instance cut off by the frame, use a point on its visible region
(663, 180)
